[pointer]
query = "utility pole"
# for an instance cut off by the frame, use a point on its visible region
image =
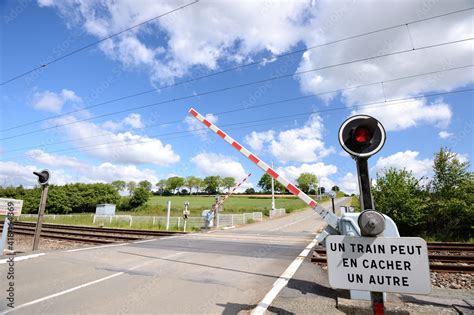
(273, 191)
(43, 178)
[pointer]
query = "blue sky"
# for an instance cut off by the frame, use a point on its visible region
(211, 36)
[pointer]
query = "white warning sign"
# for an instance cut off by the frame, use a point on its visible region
(379, 264)
(13, 206)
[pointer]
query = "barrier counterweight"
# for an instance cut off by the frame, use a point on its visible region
(329, 217)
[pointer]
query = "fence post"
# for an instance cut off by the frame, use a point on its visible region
(153, 221)
(131, 221)
(111, 220)
(168, 215)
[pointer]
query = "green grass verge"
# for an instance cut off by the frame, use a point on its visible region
(355, 203)
(235, 204)
(87, 220)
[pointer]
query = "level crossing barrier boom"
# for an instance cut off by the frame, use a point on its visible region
(328, 216)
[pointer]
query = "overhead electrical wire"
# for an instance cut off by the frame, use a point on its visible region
(252, 107)
(94, 43)
(385, 103)
(237, 86)
(240, 67)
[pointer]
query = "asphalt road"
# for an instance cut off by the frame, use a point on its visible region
(226, 271)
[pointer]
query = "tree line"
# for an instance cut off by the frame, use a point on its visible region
(441, 208)
(81, 197)
(177, 185)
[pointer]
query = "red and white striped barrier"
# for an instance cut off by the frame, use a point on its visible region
(328, 216)
(234, 189)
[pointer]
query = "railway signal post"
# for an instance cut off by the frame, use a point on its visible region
(378, 264)
(363, 136)
(43, 180)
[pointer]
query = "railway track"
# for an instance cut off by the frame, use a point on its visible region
(87, 234)
(443, 257)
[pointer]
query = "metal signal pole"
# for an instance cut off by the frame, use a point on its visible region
(362, 136)
(367, 203)
(39, 223)
(43, 179)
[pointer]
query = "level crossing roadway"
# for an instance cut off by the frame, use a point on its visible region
(224, 271)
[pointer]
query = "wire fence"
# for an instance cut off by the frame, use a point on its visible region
(276, 213)
(224, 220)
(146, 222)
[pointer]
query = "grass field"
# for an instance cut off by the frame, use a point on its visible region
(235, 204)
(87, 220)
(355, 203)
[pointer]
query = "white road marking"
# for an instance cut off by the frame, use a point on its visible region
(19, 258)
(228, 227)
(94, 247)
(84, 285)
(144, 241)
(121, 244)
(294, 222)
(281, 282)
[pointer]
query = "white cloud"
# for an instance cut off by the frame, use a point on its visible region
(319, 169)
(303, 144)
(208, 34)
(256, 140)
(343, 153)
(66, 169)
(133, 120)
(45, 158)
(463, 158)
(349, 184)
(45, 3)
(210, 164)
(406, 160)
(217, 164)
(196, 127)
(444, 134)
(198, 36)
(15, 174)
(108, 172)
(333, 19)
(410, 114)
(53, 102)
(121, 147)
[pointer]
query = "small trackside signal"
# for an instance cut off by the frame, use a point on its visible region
(43, 177)
(361, 136)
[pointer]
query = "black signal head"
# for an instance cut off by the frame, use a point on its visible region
(361, 136)
(43, 177)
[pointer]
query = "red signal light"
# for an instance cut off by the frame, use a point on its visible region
(361, 135)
